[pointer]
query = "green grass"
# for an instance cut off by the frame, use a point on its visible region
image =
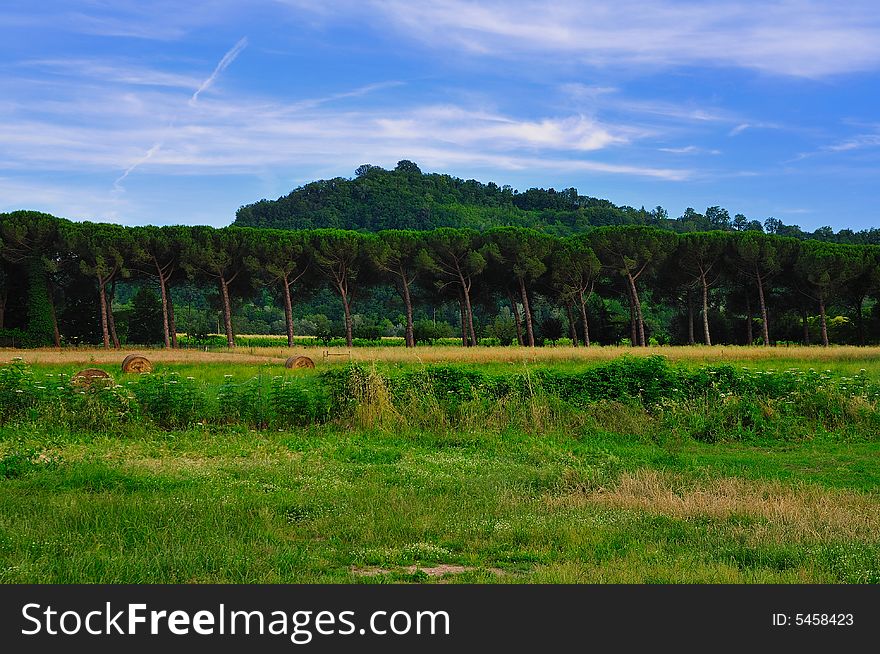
(328, 505)
(525, 491)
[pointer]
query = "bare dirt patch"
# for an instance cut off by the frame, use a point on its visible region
(440, 570)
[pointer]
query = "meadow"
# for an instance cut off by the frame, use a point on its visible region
(443, 464)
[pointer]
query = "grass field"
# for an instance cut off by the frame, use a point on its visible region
(769, 476)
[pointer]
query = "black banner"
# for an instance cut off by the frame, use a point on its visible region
(432, 617)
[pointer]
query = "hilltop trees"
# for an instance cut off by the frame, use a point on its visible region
(282, 257)
(30, 239)
(575, 269)
(760, 257)
(102, 250)
(157, 251)
(457, 256)
(523, 253)
(546, 280)
(399, 255)
(218, 256)
(630, 252)
(863, 280)
(699, 254)
(340, 256)
(824, 268)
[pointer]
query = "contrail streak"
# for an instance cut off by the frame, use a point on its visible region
(228, 58)
(118, 183)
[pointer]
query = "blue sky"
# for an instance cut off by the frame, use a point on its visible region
(167, 112)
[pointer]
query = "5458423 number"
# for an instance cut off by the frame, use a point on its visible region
(823, 619)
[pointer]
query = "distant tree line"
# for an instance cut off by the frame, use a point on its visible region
(59, 280)
(405, 198)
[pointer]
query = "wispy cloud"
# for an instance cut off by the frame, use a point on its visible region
(311, 103)
(689, 149)
(111, 72)
(850, 144)
(603, 98)
(858, 142)
(742, 127)
(807, 38)
(468, 128)
(247, 135)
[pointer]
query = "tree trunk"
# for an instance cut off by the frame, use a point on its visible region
(407, 303)
(468, 309)
(860, 320)
(163, 292)
(572, 326)
(690, 305)
(765, 327)
(4, 296)
(634, 334)
(288, 310)
(56, 335)
(349, 341)
(750, 339)
(516, 319)
(227, 313)
(584, 319)
(706, 336)
(105, 332)
(638, 305)
(172, 323)
(530, 332)
(464, 333)
(805, 325)
(823, 321)
(110, 320)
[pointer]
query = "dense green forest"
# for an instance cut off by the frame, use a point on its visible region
(64, 282)
(405, 198)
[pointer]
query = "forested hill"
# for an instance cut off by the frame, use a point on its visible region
(406, 198)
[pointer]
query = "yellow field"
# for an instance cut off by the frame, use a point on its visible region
(447, 354)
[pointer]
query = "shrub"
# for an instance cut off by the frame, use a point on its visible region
(19, 390)
(242, 402)
(427, 331)
(293, 405)
(169, 400)
(14, 338)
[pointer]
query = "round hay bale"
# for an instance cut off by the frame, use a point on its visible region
(91, 377)
(136, 363)
(299, 362)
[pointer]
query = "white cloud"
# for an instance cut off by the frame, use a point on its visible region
(808, 38)
(106, 128)
(111, 72)
(857, 142)
(689, 149)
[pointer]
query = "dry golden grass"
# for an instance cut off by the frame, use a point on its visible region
(805, 512)
(697, 353)
(635, 568)
(86, 356)
(449, 354)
